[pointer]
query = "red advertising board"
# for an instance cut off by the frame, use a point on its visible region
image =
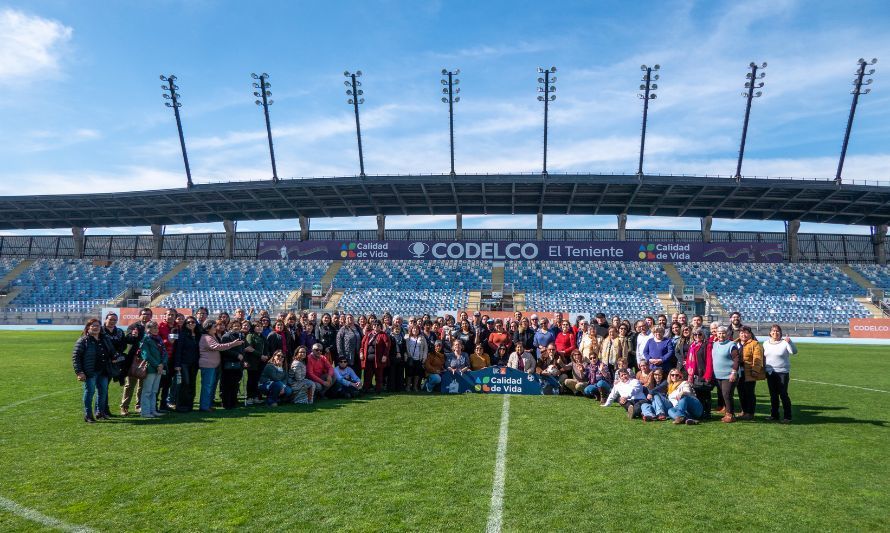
(128, 315)
(870, 328)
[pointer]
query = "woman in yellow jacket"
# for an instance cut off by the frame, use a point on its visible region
(434, 364)
(750, 371)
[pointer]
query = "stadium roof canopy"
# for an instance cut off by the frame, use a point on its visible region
(562, 194)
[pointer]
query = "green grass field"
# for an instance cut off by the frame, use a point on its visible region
(426, 462)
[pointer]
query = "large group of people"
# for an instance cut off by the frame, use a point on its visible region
(655, 368)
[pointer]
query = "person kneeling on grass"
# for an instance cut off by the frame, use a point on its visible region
(319, 371)
(272, 380)
(302, 388)
(348, 384)
(629, 392)
(656, 398)
(599, 379)
(685, 405)
(434, 365)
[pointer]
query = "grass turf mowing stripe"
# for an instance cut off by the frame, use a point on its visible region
(840, 385)
(496, 514)
(36, 516)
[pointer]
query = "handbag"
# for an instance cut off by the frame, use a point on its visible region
(114, 371)
(232, 365)
(138, 368)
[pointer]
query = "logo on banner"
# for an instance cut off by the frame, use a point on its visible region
(647, 251)
(419, 249)
(347, 251)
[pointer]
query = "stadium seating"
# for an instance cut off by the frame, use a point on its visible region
(228, 284)
(779, 292)
(409, 287)
(877, 274)
(611, 287)
(7, 264)
(79, 285)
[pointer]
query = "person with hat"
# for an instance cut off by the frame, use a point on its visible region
(348, 384)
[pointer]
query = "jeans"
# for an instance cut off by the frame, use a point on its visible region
(590, 390)
(149, 394)
(657, 407)
(431, 381)
(93, 385)
(778, 389)
(687, 407)
(273, 389)
(208, 380)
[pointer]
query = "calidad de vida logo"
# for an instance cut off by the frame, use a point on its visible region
(665, 252)
(499, 382)
(364, 250)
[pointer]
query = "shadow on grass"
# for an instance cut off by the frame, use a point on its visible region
(242, 411)
(813, 414)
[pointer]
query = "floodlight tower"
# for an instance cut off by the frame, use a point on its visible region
(648, 87)
(262, 86)
(173, 96)
(449, 89)
(546, 87)
(857, 90)
(752, 84)
(354, 94)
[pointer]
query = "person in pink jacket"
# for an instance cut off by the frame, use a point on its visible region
(209, 359)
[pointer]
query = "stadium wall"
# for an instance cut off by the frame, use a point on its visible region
(814, 247)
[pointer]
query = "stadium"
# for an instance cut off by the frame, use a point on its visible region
(168, 422)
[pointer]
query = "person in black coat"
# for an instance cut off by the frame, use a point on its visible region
(232, 366)
(186, 353)
(281, 339)
(91, 358)
(395, 370)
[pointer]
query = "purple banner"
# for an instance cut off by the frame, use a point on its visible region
(674, 252)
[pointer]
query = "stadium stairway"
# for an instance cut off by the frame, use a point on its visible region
(717, 311)
(9, 278)
(334, 300)
(519, 301)
(875, 311)
(860, 280)
(497, 274)
(668, 303)
(674, 276)
(328, 277)
(156, 301)
(473, 300)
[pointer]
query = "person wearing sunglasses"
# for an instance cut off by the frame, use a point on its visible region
(186, 352)
(700, 369)
(685, 407)
(656, 399)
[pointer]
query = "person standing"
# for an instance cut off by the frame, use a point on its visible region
(543, 337)
(374, 355)
(417, 349)
(209, 348)
(135, 334)
(349, 342)
(700, 369)
(752, 371)
(395, 375)
(725, 356)
(255, 360)
(186, 352)
(91, 358)
(154, 354)
(326, 333)
(117, 341)
(776, 354)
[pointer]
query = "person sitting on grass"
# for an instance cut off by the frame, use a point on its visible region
(656, 404)
(577, 377)
(272, 380)
(434, 365)
(348, 384)
(599, 380)
(303, 389)
(685, 407)
(629, 392)
(458, 362)
(319, 371)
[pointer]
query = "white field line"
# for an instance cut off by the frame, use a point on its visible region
(40, 518)
(841, 385)
(496, 512)
(20, 402)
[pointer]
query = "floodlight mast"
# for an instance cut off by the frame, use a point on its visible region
(546, 88)
(857, 90)
(751, 85)
(648, 88)
(450, 91)
(175, 104)
(263, 92)
(355, 98)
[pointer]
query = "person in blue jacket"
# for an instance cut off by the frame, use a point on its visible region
(347, 382)
(658, 351)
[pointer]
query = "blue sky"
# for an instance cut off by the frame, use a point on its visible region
(81, 106)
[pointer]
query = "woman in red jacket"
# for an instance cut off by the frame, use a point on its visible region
(565, 341)
(375, 349)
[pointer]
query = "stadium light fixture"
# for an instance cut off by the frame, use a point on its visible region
(174, 103)
(262, 94)
(355, 98)
(858, 82)
(449, 81)
(752, 85)
(546, 87)
(648, 87)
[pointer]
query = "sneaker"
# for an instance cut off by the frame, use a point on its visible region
(630, 411)
(647, 419)
(691, 422)
(746, 417)
(248, 401)
(679, 420)
(772, 419)
(273, 404)
(786, 420)
(125, 412)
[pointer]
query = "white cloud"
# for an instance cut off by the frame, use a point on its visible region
(30, 46)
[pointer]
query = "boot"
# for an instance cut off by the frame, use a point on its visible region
(604, 394)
